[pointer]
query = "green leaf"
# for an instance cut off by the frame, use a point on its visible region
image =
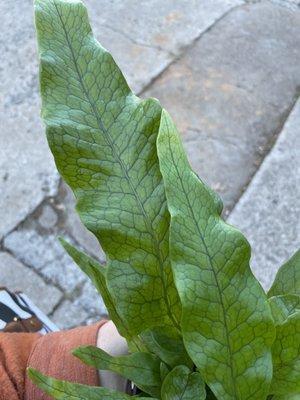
(141, 368)
(167, 345)
(164, 370)
(287, 397)
(97, 273)
(182, 384)
(103, 139)
(287, 280)
(62, 390)
(209, 394)
(284, 306)
(286, 348)
(226, 321)
(286, 357)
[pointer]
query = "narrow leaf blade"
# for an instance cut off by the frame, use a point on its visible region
(103, 139)
(63, 390)
(141, 368)
(226, 321)
(96, 272)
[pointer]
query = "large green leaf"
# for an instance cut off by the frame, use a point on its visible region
(103, 139)
(286, 348)
(62, 390)
(141, 368)
(226, 320)
(287, 280)
(182, 384)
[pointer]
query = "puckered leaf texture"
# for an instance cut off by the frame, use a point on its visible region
(182, 384)
(287, 280)
(226, 321)
(286, 348)
(103, 139)
(284, 306)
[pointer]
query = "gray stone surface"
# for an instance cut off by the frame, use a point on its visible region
(69, 315)
(268, 212)
(152, 32)
(45, 254)
(290, 4)
(231, 91)
(90, 300)
(27, 172)
(48, 218)
(16, 276)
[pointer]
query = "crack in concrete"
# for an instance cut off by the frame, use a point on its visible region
(184, 49)
(139, 43)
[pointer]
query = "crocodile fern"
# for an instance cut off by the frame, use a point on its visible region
(177, 284)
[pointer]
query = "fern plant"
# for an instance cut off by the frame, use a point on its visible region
(177, 284)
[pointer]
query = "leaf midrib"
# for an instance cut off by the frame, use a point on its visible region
(116, 155)
(110, 360)
(212, 268)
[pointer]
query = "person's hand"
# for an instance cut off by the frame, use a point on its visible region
(114, 344)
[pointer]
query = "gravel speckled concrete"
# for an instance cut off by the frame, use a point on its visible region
(269, 211)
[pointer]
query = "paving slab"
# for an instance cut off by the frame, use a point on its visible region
(45, 254)
(16, 276)
(230, 93)
(268, 213)
(90, 301)
(68, 315)
(27, 172)
(144, 36)
(291, 4)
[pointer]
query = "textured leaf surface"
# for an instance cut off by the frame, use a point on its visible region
(167, 345)
(62, 390)
(287, 280)
(104, 143)
(226, 320)
(284, 306)
(182, 384)
(141, 368)
(286, 348)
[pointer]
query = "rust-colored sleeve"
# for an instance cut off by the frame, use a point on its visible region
(50, 354)
(15, 349)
